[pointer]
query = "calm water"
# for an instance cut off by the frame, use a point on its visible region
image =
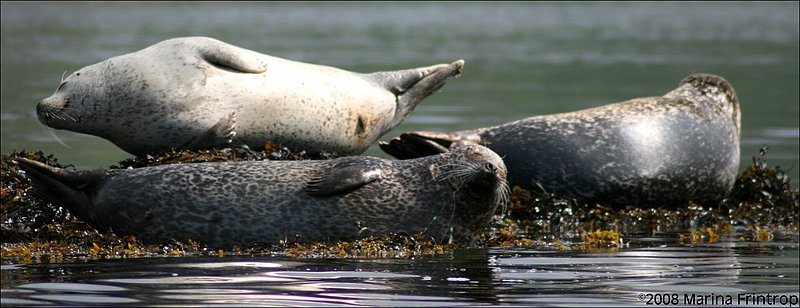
(522, 59)
(466, 277)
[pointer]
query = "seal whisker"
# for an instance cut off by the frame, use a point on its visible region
(52, 133)
(63, 113)
(503, 197)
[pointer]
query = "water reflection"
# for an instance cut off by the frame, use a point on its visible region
(466, 277)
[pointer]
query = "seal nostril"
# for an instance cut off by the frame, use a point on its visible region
(488, 167)
(41, 111)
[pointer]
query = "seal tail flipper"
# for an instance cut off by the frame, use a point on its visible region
(420, 144)
(58, 186)
(413, 85)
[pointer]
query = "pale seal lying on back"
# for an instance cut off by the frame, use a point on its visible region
(448, 196)
(197, 92)
(649, 152)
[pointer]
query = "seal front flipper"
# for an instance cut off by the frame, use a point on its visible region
(73, 189)
(420, 144)
(343, 178)
(232, 58)
(218, 136)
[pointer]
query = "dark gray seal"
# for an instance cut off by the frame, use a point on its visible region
(649, 152)
(197, 93)
(449, 197)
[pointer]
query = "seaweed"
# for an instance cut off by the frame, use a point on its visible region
(763, 196)
(271, 151)
(25, 217)
(762, 204)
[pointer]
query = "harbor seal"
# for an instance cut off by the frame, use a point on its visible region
(450, 196)
(648, 152)
(197, 92)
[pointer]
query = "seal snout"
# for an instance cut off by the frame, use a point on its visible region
(483, 161)
(53, 110)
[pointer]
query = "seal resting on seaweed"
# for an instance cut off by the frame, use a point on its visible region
(449, 197)
(197, 93)
(662, 151)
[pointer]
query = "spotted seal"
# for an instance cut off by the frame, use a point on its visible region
(660, 151)
(198, 92)
(447, 196)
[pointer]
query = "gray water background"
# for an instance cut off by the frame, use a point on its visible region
(522, 59)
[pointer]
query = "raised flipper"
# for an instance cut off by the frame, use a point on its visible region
(420, 144)
(343, 178)
(233, 58)
(413, 85)
(218, 136)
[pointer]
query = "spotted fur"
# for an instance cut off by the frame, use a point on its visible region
(662, 151)
(449, 197)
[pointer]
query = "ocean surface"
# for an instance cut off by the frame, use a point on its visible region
(653, 271)
(522, 59)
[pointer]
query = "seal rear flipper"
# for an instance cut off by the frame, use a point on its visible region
(218, 136)
(73, 189)
(420, 144)
(233, 58)
(343, 178)
(413, 85)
